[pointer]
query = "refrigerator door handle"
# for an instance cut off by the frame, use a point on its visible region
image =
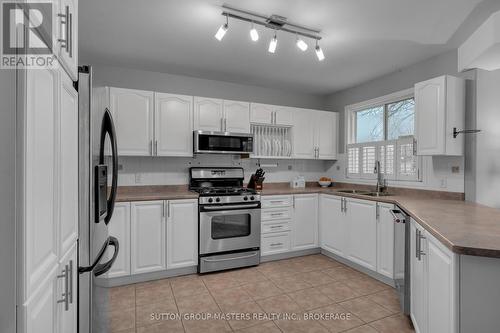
(100, 269)
(108, 127)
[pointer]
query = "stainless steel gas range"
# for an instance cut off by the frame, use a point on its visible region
(229, 219)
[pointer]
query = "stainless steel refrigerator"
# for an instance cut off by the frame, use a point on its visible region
(98, 176)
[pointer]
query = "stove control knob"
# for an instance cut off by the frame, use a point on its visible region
(217, 199)
(245, 198)
(252, 198)
(210, 200)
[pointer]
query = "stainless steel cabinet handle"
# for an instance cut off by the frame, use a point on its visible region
(377, 211)
(417, 241)
(70, 35)
(65, 42)
(225, 124)
(276, 214)
(342, 204)
(163, 209)
(168, 208)
(232, 207)
(156, 147)
(71, 281)
(222, 124)
(420, 252)
(293, 202)
(276, 227)
(276, 244)
(65, 294)
(151, 147)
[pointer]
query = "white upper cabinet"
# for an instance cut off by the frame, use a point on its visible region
(362, 232)
(133, 115)
(147, 236)
(305, 222)
(68, 166)
(41, 172)
(119, 227)
(326, 135)
(385, 240)
(271, 114)
(182, 233)
(67, 36)
(439, 109)
(236, 116)
(333, 226)
(173, 125)
(303, 134)
(208, 114)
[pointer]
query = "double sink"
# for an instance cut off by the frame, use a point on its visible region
(367, 193)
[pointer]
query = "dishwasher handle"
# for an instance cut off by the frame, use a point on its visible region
(398, 216)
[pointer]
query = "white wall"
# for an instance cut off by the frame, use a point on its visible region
(174, 170)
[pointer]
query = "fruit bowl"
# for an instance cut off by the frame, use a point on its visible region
(324, 183)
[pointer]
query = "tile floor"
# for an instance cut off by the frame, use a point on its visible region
(309, 286)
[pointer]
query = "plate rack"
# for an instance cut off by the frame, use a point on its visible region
(272, 141)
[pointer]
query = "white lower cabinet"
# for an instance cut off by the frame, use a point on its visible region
(385, 240)
(333, 226)
(433, 283)
(305, 221)
(182, 233)
(274, 243)
(147, 237)
(119, 227)
(362, 249)
(68, 288)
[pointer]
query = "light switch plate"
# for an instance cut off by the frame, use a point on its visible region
(455, 169)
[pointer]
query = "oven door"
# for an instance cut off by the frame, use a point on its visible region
(223, 229)
(222, 143)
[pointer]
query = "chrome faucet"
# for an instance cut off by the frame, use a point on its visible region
(381, 182)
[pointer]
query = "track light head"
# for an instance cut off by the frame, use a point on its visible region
(254, 35)
(272, 44)
(301, 44)
(319, 52)
(222, 30)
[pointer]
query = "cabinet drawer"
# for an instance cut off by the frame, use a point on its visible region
(276, 201)
(275, 243)
(276, 214)
(278, 226)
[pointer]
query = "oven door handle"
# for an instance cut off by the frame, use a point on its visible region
(230, 207)
(232, 258)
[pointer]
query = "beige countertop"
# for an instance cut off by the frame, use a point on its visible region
(464, 227)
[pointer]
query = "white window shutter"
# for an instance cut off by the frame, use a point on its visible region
(386, 157)
(352, 161)
(408, 164)
(368, 158)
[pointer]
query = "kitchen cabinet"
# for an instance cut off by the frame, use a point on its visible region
(132, 112)
(208, 114)
(147, 219)
(236, 116)
(173, 125)
(361, 215)
(182, 233)
(68, 291)
(68, 164)
(305, 221)
(433, 283)
(270, 114)
(333, 225)
(67, 36)
(277, 221)
(385, 240)
(439, 109)
(119, 227)
(274, 243)
(315, 134)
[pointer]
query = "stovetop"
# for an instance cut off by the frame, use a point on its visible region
(223, 191)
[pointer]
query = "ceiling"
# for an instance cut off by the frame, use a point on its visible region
(362, 39)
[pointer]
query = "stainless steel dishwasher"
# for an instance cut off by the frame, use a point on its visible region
(402, 258)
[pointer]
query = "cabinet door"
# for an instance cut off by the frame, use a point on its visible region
(147, 236)
(68, 164)
(182, 233)
(208, 115)
(67, 318)
(274, 243)
(326, 134)
(441, 287)
(362, 232)
(283, 116)
(418, 302)
(333, 227)
(132, 112)
(119, 227)
(40, 188)
(303, 133)
(237, 117)
(40, 311)
(430, 107)
(261, 113)
(385, 240)
(173, 125)
(67, 36)
(305, 222)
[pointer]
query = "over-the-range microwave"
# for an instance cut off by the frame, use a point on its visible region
(206, 142)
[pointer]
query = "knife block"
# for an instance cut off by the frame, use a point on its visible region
(256, 182)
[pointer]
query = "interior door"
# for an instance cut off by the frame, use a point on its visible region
(208, 114)
(173, 125)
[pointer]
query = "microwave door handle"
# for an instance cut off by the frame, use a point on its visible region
(108, 127)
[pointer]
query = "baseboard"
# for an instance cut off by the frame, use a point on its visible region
(145, 277)
(291, 254)
(375, 275)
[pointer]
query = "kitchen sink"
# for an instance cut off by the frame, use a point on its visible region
(377, 194)
(354, 192)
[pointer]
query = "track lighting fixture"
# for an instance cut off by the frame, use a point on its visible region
(272, 44)
(254, 35)
(222, 30)
(274, 22)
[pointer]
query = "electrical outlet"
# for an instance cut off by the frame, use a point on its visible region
(455, 169)
(338, 167)
(290, 167)
(120, 167)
